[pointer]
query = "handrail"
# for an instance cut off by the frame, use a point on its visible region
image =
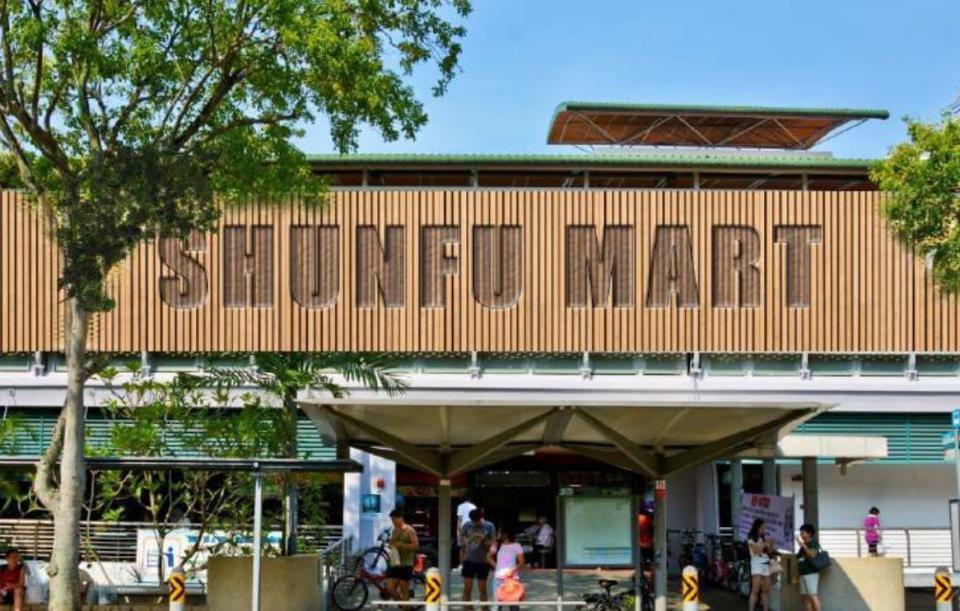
(117, 541)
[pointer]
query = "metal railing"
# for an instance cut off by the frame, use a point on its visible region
(117, 541)
(919, 547)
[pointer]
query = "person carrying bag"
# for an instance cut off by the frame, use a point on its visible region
(812, 560)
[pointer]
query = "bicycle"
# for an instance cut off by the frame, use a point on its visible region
(351, 592)
(606, 600)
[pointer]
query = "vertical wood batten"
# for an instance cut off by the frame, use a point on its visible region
(869, 293)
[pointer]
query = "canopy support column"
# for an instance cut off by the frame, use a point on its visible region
(559, 546)
(660, 545)
(444, 527)
(770, 487)
(811, 496)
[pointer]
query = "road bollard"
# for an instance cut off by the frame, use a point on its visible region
(178, 589)
(691, 589)
(434, 588)
(943, 589)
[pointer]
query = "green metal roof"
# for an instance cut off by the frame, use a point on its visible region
(911, 438)
(589, 160)
(35, 426)
(734, 110)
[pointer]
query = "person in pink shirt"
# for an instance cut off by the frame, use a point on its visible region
(871, 531)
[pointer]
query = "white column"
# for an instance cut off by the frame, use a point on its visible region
(257, 530)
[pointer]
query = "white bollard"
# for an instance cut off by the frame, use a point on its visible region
(434, 588)
(690, 592)
(178, 589)
(943, 589)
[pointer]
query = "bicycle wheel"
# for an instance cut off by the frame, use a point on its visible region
(374, 560)
(350, 593)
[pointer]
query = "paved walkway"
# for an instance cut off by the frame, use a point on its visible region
(542, 585)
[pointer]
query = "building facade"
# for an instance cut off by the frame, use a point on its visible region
(698, 256)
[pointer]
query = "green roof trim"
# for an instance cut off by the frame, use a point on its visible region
(779, 111)
(609, 160)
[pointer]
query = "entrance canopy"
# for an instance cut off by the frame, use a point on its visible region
(446, 433)
(589, 123)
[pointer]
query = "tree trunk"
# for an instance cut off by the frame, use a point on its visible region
(291, 494)
(66, 503)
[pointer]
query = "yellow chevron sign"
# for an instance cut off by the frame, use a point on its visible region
(178, 589)
(433, 588)
(942, 588)
(691, 588)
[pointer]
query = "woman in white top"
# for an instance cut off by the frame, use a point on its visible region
(506, 558)
(760, 550)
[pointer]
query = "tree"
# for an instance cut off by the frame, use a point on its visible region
(922, 178)
(282, 376)
(136, 119)
(151, 417)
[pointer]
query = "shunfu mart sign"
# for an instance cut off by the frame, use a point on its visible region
(507, 271)
(602, 266)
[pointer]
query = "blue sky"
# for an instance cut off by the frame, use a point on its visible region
(523, 57)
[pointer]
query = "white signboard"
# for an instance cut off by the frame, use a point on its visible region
(179, 541)
(776, 511)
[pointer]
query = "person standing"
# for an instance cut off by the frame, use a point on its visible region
(809, 573)
(404, 540)
(463, 516)
(545, 541)
(478, 535)
(760, 550)
(13, 581)
(645, 535)
(506, 558)
(871, 531)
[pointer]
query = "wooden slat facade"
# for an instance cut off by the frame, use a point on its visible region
(867, 293)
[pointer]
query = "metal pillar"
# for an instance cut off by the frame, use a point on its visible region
(811, 500)
(736, 494)
(660, 546)
(559, 546)
(770, 487)
(257, 530)
(635, 544)
(443, 533)
(291, 503)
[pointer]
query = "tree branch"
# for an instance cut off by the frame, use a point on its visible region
(44, 484)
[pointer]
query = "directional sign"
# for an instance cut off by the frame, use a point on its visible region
(433, 590)
(178, 589)
(942, 588)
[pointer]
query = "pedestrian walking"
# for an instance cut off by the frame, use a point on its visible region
(478, 536)
(871, 531)
(761, 548)
(463, 516)
(506, 558)
(812, 561)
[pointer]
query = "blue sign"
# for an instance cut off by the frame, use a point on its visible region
(956, 419)
(370, 503)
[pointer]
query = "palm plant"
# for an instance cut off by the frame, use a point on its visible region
(283, 375)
